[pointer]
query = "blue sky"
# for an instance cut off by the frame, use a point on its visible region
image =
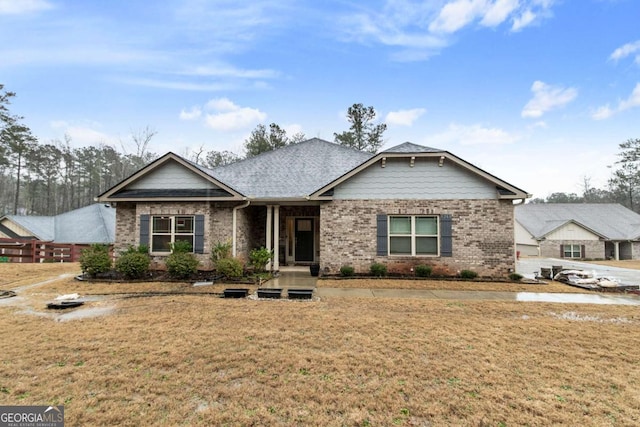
(537, 92)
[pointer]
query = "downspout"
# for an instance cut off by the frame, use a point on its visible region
(234, 222)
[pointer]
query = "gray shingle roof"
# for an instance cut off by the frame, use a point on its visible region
(611, 220)
(294, 171)
(92, 224)
(41, 227)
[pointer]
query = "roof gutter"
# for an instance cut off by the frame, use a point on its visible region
(234, 232)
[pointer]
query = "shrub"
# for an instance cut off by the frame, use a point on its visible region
(347, 271)
(220, 251)
(133, 265)
(377, 269)
(95, 259)
(259, 258)
(468, 274)
(423, 270)
(515, 277)
(230, 267)
(182, 265)
(142, 249)
(181, 246)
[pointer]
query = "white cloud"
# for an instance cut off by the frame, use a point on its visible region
(474, 135)
(82, 134)
(632, 101)
(404, 117)
(498, 12)
(179, 85)
(626, 50)
(221, 104)
(222, 70)
(523, 20)
(547, 97)
(457, 14)
(229, 116)
(192, 114)
(19, 7)
(603, 113)
(421, 29)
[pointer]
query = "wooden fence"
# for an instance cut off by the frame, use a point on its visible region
(30, 251)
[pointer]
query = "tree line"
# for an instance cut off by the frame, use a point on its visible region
(50, 178)
(53, 177)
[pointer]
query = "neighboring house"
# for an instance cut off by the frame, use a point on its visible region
(319, 202)
(91, 224)
(578, 230)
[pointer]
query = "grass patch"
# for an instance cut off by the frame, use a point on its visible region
(201, 360)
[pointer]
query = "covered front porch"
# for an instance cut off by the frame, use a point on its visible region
(292, 232)
(621, 250)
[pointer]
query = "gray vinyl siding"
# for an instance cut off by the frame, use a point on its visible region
(171, 176)
(425, 180)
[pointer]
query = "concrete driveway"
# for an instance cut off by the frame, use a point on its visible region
(626, 276)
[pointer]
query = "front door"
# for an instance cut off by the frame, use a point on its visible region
(304, 240)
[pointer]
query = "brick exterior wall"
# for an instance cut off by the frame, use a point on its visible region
(483, 235)
(593, 249)
(483, 231)
(217, 226)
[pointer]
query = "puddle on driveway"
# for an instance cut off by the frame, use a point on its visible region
(577, 298)
(84, 313)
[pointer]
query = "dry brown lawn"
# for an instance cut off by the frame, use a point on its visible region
(201, 360)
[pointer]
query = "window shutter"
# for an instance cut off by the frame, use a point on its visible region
(446, 236)
(144, 230)
(582, 252)
(198, 241)
(383, 249)
(561, 251)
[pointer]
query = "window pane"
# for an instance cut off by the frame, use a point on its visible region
(400, 225)
(427, 225)
(161, 224)
(400, 245)
(426, 246)
(160, 243)
(576, 251)
(184, 224)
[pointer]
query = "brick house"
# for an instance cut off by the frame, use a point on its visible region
(578, 231)
(319, 202)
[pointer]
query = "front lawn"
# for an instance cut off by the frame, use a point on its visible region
(202, 360)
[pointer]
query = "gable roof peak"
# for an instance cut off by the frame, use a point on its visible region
(409, 147)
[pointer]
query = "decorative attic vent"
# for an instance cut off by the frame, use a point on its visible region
(384, 162)
(412, 161)
(441, 162)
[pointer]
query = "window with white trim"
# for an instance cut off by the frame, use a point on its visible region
(168, 229)
(572, 251)
(413, 235)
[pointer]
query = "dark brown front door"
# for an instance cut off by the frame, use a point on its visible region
(304, 239)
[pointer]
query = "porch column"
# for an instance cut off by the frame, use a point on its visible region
(268, 233)
(616, 250)
(276, 238)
